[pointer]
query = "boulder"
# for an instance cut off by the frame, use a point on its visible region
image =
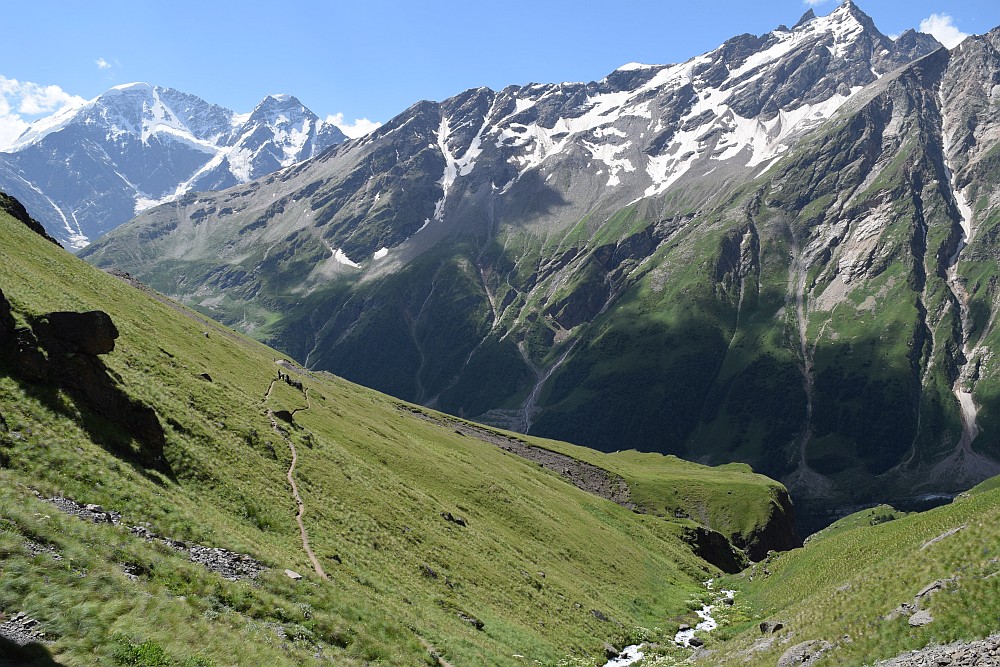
(805, 653)
(610, 652)
(293, 575)
(471, 620)
(770, 627)
(91, 332)
(933, 587)
(921, 618)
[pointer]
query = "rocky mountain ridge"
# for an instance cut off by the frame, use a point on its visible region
(773, 253)
(86, 170)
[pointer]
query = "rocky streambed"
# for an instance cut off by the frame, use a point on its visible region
(686, 636)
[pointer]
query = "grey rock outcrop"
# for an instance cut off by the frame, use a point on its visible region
(22, 630)
(229, 564)
(805, 653)
(981, 653)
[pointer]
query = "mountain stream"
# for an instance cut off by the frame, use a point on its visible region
(634, 653)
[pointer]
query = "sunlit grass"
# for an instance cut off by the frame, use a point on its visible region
(534, 563)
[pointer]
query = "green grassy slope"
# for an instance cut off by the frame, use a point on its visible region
(534, 561)
(848, 579)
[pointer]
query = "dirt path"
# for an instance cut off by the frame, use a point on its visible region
(290, 476)
(441, 662)
(302, 510)
(270, 388)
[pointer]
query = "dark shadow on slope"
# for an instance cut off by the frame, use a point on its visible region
(32, 655)
(56, 357)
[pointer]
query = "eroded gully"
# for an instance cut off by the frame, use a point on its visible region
(963, 460)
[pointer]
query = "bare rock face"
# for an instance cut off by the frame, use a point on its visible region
(713, 547)
(805, 653)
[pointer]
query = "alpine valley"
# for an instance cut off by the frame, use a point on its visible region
(89, 169)
(781, 252)
(173, 494)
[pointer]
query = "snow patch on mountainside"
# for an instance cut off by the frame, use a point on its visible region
(604, 123)
(342, 258)
(608, 154)
(73, 232)
(769, 139)
(455, 166)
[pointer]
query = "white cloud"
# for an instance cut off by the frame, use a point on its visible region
(814, 3)
(102, 63)
(359, 128)
(942, 28)
(23, 98)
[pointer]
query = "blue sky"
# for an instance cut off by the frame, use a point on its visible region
(371, 59)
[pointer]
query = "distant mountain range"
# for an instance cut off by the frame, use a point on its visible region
(85, 171)
(780, 252)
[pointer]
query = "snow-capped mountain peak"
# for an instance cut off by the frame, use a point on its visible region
(644, 127)
(141, 145)
(640, 131)
(292, 133)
